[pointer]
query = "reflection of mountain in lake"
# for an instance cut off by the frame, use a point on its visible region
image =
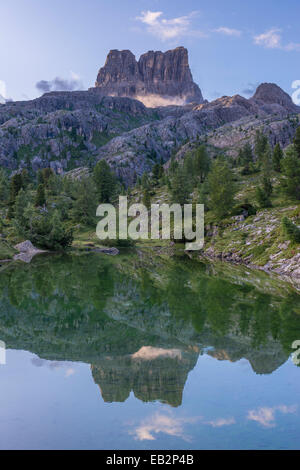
(151, 373)
(141, 326)
(263, 360)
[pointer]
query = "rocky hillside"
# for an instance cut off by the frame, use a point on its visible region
(225, 124)
(66, 130)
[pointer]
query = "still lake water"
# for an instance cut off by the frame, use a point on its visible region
(142, 352)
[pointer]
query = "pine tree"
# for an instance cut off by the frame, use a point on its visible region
(173, 165)
(201, 163)
(290, 168)
(145, 181)
(266, 159)
(297, 142)
(203, 195)
(261, 143)
(263, 193)
(85, 204)
(16, 184)
(47, 173)
(290, 230)
(221, 188)
(246, 159)
(40, 177)
(105, 182)
(156, 171)
(179, 187)
(277, 157)
(146, 198)
(25, 178)
(4, 186)
(40, 199)
(189, 169)
(23, 199)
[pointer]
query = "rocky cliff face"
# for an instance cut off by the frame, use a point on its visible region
(156, 79)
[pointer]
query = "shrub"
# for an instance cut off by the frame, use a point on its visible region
(290, 230)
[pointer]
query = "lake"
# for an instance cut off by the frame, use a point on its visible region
(147, 352)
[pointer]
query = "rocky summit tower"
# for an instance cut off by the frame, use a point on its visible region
(158, 78)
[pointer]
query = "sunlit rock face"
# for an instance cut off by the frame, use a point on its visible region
(157, 79)
(151, 373)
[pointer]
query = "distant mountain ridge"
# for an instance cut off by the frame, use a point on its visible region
(67, 130)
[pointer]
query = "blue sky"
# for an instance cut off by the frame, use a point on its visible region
(233, 45)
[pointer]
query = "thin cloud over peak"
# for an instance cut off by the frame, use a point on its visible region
(250, 88)
(168, 29)
(272, 39)
(60, 84)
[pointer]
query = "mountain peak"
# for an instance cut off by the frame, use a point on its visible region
(270, 93)
(158, 78)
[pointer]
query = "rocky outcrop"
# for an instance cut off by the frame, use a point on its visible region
(64, 129)
(156, 79)
(27, 251)
(271, 94)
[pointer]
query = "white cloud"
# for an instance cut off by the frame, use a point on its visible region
(2, 92)
(61, 84)
(162, 423)
(272, 39)
(3, 88)
(220, 422)
(166, 29)
(228, 31)
(292, 46)
(266, 416)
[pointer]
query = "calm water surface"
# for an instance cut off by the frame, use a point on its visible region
(140, 352)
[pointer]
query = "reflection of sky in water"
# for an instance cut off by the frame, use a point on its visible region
(51, 404)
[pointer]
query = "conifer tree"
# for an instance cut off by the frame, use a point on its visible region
(290, 168)
(105, 182)
(146, 198)
(290, 230)
(179, 186)
(297, 142)
(264, 191)
(40, 199)
(201, 163)
(221, 188)
(16, 184)
(277, 157)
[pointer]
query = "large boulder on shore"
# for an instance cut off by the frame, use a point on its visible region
(27, 251)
